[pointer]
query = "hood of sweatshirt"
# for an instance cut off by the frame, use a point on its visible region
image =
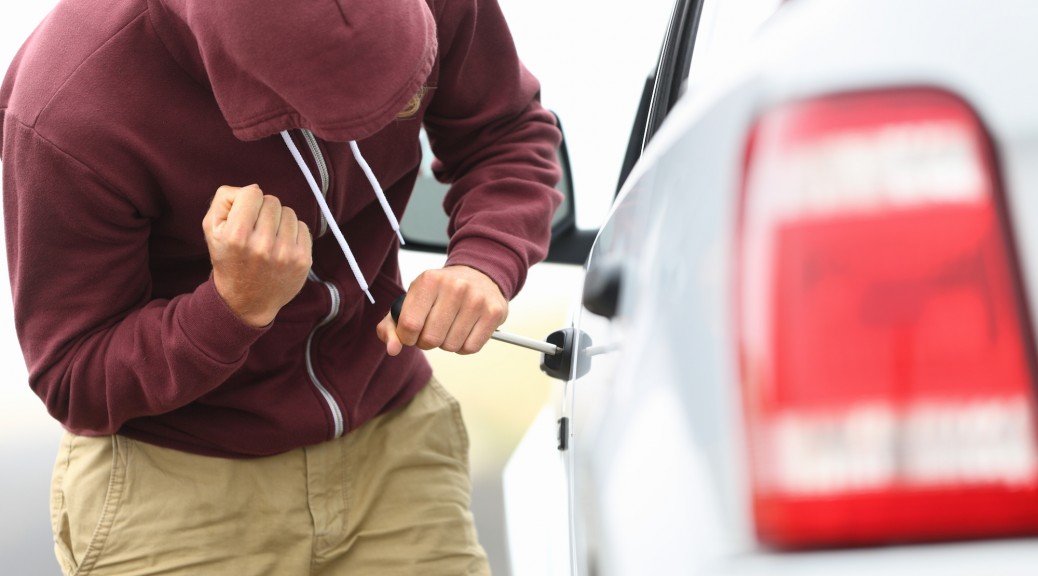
(342, 69)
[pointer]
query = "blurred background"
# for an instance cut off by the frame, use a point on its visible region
(592, 63)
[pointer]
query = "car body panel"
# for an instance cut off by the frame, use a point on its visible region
(658, 472)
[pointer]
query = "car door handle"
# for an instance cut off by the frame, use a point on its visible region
(602, 287)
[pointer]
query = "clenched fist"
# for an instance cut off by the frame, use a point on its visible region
(261, 252)
(455, 308)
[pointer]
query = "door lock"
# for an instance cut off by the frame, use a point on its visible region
(572, 345)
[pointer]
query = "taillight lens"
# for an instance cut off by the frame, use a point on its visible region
(884, 343)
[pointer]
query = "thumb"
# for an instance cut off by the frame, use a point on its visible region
(220, 207)
(223, 202)
(386, 331)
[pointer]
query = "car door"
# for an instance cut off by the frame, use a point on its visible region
(613, 359)
(597, 335)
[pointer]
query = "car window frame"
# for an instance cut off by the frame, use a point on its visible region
(674, 64)
(664, 87)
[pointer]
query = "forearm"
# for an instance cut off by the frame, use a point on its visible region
(496, 146)
(157, 358)
(99, 346)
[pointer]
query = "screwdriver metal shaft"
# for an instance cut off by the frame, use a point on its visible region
(538, 345)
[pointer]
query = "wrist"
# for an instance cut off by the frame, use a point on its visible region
(242, 307)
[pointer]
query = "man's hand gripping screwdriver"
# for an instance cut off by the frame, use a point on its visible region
(540, 346)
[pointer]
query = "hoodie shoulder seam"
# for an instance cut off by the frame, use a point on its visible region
(86, 59)
(36, 134)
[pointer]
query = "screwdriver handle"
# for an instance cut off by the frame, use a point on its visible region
(398, 304)
(543, 347)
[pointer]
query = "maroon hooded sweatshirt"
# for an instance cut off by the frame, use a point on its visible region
(120, 120)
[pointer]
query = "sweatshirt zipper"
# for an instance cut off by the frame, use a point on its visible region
(328, 398)
(322, 169)
(333, 292)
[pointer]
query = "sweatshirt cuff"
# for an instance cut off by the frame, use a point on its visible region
(214, 328)
(497, 261)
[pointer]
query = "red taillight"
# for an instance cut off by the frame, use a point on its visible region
(883, 340)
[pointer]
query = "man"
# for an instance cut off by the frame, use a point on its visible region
(200, 204)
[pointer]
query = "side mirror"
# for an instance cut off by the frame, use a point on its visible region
(424, 224)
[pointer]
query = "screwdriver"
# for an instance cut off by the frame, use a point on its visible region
(538, 345)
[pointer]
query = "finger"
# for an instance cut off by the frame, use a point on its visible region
(289, 223)
(286, 249)
(461, 327)
(479, 335)
(414, 314)
(294, 238)
(386, 331)
(440, 319)
(267, 222)
(288, 227)
(245, 208)
(303, 237)
(436, 326)
(220, 207)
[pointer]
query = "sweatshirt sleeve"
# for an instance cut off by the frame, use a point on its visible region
(99, 349)
(494, 144)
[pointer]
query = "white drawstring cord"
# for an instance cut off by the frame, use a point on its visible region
(378, 190)
(328, 213)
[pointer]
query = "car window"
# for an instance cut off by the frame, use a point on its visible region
(725, 28)
(673, 66)
(702, 38)
(592, 61)
(424, 223)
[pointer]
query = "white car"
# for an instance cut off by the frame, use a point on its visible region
(807, 340)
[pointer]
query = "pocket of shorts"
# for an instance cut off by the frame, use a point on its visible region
(86, 493)
(460, 432)
(59, 522)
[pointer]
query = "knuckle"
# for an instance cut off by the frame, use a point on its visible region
(425, 280)
(477, 302)
(410, 325)
(282, 258)
(249, 193)
(293, 258)
(456, 286)
(497, 312)
(307, 237)
(305, 260)
(427, 343)
(259, 250)
(237, 237)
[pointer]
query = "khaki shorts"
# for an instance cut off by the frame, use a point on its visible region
(389, 498)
